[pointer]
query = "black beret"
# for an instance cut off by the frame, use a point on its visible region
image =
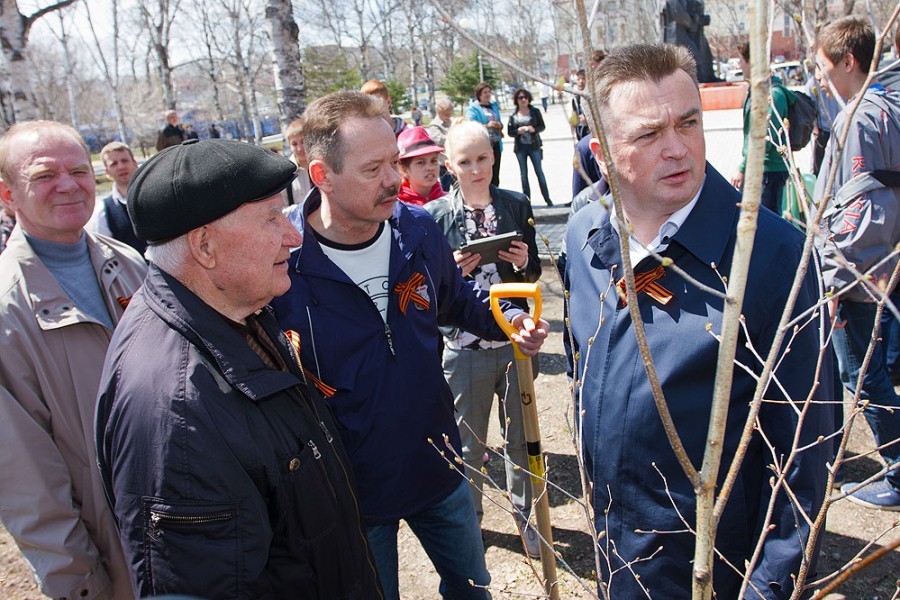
(192, 184)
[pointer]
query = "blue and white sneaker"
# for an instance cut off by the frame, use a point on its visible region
(878, 494)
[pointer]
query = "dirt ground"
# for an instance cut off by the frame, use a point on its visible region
(849, 529)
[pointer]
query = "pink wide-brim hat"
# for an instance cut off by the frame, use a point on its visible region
(415, 141)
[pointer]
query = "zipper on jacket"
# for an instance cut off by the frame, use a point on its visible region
(359, 527)
(390, 338)
(315, 450)
(328, 437)
(324, 468)
(159, 518)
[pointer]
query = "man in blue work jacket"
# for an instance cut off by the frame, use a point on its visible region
(679, 207)
(374, 280)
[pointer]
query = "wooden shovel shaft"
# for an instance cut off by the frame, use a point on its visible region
(538, 478)
(532, 428)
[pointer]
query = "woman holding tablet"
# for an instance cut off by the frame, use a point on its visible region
(475, 368)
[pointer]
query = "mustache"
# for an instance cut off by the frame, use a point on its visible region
(389, 193)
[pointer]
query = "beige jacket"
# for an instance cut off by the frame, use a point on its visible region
(51, 358)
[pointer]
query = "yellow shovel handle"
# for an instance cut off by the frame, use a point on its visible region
(514, 290)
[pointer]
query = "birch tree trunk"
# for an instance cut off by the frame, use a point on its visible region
(14, 30)
(254, 110)
(110, 68)
(159, 26)
(290, 85)
(210, 61)
(63, 37)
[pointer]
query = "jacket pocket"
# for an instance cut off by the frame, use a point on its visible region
(308, 497)
(191, 548)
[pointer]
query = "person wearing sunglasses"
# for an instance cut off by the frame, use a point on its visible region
(525, 126)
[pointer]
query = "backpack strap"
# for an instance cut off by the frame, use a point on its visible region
(862, 183)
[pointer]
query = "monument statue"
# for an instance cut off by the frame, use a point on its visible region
(682, 23)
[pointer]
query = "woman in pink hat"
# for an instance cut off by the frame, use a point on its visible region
(419, 167)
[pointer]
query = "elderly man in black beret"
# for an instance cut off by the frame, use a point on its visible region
(219, 458)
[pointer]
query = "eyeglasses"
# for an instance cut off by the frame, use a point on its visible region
(521, 97)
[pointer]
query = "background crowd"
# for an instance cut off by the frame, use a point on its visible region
(262, 354)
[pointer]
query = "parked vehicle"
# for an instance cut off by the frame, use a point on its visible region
(734, 75)
(790, 72)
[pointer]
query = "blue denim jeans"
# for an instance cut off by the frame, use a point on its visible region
(450, 534)
(890, 333)
(536, 156)
(850, 344)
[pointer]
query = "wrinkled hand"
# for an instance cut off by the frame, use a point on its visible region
(738, 180)
(466, 261)
(530, 337)
(517, 254)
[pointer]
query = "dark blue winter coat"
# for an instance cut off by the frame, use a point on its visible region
(223, 474)
(391, 397)
(624, 441)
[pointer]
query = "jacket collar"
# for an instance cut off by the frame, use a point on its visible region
(407, 236)
(704, 234)
(208, 330)
(53, 309)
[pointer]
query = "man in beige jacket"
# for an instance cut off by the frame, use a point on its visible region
(62, 291)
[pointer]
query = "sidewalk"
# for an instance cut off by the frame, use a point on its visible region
(724, 141)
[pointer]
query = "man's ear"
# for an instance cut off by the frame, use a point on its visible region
(6, 195)
(203, 247)
(319, 175)
(849, 62)
(597, 151)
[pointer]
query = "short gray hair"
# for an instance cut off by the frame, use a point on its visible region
(443, 104)
(170, 255)
(49, 132)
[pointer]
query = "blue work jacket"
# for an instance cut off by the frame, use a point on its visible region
(390, 397)
(627, 453)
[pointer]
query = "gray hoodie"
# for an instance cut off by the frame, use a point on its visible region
(863, 221)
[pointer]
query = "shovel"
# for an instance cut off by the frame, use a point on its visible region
(530, 419)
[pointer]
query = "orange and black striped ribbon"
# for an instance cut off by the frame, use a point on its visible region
(325, 389)
(646, 282)
(408, 292)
